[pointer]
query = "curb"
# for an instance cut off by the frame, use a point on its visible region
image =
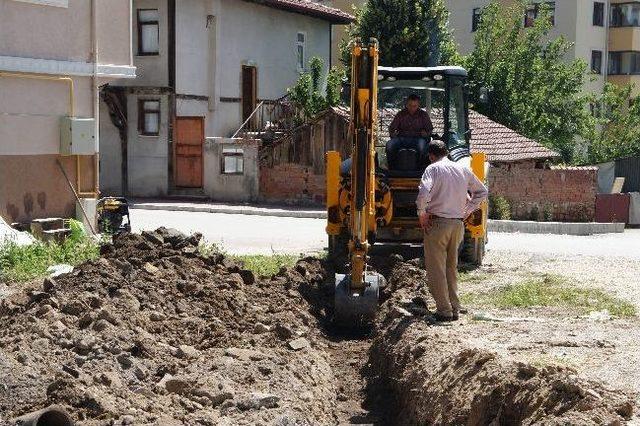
(557, 228)
(246, 210)
(508, 226)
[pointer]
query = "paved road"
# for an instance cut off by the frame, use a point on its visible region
(242, 234)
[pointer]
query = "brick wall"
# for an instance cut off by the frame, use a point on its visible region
(290, 183)
(558, 194)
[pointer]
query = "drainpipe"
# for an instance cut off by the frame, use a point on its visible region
(96, 106)
(607, 27)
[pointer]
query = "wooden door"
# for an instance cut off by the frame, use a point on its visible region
(188, 142)
(249, 92)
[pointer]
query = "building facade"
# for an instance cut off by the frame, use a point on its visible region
(605, 34)
(204, 66)
(54, 56)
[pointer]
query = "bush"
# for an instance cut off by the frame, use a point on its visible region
(307, 94)
(499, 208)
(547, 213)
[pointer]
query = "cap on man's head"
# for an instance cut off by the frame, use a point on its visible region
(437, 148)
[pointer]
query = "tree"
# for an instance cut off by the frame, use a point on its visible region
(616, 130)
(307, 94)
(410, 32)
(531, 87)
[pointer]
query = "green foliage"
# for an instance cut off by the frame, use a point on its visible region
(24, 263)
(551, 291)
(266, 265)
(499, 208)
(616, 125)
(547, 213)
(410, 32)
(532, 88)
(308, 94)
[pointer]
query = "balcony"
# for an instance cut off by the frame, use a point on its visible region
(624, 39)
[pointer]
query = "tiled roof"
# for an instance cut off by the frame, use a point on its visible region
(564, 167)
(310, 8)
(498, 142)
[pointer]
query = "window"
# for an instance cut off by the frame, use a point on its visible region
(625, 14)
(598, 14)
(624, 63)
(232, 160)
(300, 50)
(533, 10)
(149, 117)
(148, 32)
(475, 18)
(615, 62)
(56, 3)
(596, 61)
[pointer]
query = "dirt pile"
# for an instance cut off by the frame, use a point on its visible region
(435, 377)
(153, 332)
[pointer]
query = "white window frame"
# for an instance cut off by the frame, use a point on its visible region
(303, 43)
(54, 3)
(235, 153)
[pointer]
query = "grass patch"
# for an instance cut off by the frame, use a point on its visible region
(472, 277)
(24, 263)
(266, 264)
(259, 264)
(551, 291)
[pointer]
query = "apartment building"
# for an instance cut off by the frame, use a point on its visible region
(605, 34)
(54, 57)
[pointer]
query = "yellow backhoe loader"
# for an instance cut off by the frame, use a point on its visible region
(368, 201)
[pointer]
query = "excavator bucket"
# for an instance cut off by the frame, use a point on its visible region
(356, 308)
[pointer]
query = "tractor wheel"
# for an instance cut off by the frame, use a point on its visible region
(473, 249)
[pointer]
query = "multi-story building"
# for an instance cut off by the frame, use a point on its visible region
(204, 67)
(605, 34)
(54, 57)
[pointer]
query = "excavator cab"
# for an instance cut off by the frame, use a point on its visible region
(443, 95)
(371, 199)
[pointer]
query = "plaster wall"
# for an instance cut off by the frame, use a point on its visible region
(151, 70)
(30, 113)
(231, 188)
(110, 155)
(148, 156)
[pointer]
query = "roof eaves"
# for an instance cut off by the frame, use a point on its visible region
(309, 8)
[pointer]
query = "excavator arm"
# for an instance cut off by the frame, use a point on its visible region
(356, 297)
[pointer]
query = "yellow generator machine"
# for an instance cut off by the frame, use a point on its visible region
(368, 201)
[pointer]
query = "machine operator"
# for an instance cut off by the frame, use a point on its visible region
(410, 129)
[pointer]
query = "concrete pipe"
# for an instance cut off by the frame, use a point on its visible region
(50, 416)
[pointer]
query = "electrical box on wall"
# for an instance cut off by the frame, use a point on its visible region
(78, 136)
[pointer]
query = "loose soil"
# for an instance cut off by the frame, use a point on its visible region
(154, 332)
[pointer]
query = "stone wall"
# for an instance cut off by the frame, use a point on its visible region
(565, 194)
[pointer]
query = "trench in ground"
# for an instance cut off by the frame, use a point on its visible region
(403, 371)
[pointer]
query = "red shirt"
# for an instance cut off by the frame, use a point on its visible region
(411, 125)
